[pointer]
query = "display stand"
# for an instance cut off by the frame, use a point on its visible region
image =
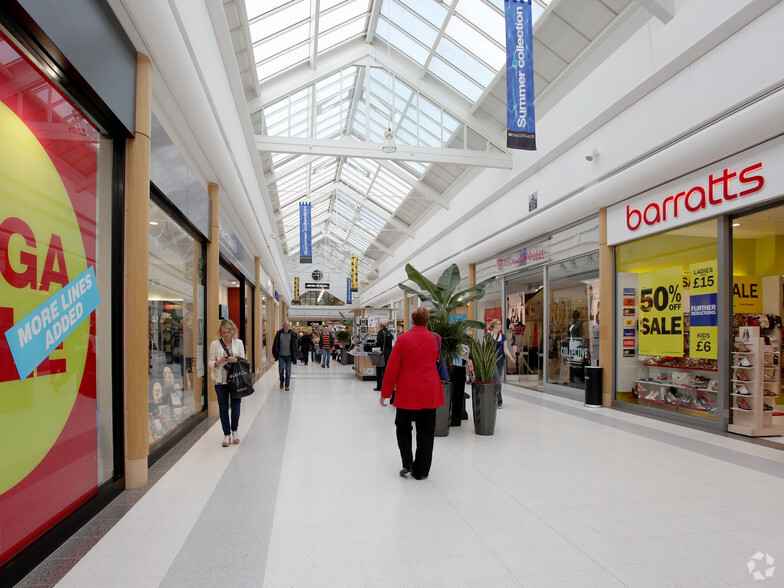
(365, 331)
(680, 387)
(756, 383)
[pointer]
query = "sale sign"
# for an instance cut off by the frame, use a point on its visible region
(704, 313)
(661, 312)
(48, 233)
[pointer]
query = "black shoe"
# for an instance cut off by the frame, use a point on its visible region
(418, 477)
(376, 389)
(405, 471)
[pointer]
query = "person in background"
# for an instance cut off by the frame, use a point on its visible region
(314, 341)
(285, 348)
(412, 375)
(305, 343)
(217, 361)
(501, 352)
(326, 343)
(384, 342)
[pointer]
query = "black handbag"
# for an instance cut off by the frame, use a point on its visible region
(443, 373)
(238, 376)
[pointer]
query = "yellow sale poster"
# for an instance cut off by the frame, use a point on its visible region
(661, 312)
(747, 294)
(703, 310)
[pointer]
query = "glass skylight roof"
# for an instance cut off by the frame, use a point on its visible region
(461, 42)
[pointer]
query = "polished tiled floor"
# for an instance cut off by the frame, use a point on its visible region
(561, 495)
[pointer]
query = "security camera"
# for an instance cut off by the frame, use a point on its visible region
(589, 158)
(592, 155)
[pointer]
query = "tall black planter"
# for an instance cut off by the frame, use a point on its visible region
(442, 412)
(457, 375)
(484, 398)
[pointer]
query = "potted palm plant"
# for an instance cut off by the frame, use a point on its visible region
(484, 392)
(445, 300)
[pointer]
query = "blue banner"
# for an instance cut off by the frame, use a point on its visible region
(305, 246)
(348, 290)
(33, 338)
(520, 120)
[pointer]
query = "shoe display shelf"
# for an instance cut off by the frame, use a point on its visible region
(755, 386)
(679, 387)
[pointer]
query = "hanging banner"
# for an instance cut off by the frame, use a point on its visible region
(661, 312)
(348, 290)
(354, 273)
(520, 120)
(704, 310)
(305, 246)
(747, 294)
(296, 289)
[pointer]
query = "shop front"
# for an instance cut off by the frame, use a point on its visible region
(698, 295)
(61, 170)
(548, 300)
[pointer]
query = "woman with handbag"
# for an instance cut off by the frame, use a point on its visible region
(501, 353)
(224, 351)
(412, 375)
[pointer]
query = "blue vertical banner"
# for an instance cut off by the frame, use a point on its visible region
(520, 119)
(348, 290)
(305, 233)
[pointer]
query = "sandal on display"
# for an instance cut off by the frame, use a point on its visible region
(743, 405)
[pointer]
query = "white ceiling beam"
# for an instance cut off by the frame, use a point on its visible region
(370, 150)
(375, 12)
(664, 10)
(314, 32)
(282, 172)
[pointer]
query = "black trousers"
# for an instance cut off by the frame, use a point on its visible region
(380, 376)
(425, 420)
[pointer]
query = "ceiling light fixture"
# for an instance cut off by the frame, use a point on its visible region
(389, 142)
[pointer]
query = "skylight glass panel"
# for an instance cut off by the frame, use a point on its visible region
(341, 34)
(408, 45)
(432, 12)
(269, 46)
(405, 20)
(257, 7)
(465, 62)
(274, 22)
(485, 18)
(413, 167)
(329, 18)
(282, 61)
(479, 45)
(455, 79)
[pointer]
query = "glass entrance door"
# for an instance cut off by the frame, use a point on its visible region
(525, 329)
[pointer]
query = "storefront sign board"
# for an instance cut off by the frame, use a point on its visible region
(751, 177)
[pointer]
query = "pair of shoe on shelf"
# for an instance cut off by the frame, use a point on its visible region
(743, 362)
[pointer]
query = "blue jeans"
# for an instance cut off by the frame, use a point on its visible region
(284, 369)
(325, 354)
(498, 373)
(224, 402)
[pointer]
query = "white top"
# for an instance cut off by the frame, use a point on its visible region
(216, 352)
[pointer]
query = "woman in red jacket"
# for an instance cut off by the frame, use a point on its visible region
(412, 375)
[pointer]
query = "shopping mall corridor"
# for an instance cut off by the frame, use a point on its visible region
(561, 495)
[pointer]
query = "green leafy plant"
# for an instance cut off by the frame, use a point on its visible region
(483, 355)
(445, 300)
(343, 336)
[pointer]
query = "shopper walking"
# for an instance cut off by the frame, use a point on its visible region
(326, 343)
(305, 343)
(501, 352)
(224, 351)
(412, 375)
(384, 342)
(285, 349)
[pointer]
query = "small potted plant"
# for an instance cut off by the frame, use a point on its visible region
(484, 392)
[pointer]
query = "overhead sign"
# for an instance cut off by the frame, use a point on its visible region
(317, 285)
(520, 120)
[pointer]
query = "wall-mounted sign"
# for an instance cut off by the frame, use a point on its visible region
(753, 176)
(523, 257)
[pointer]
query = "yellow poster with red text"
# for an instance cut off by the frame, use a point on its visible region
(661, 312)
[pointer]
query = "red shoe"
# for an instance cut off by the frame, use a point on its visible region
(741, 376)
(743, 405)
